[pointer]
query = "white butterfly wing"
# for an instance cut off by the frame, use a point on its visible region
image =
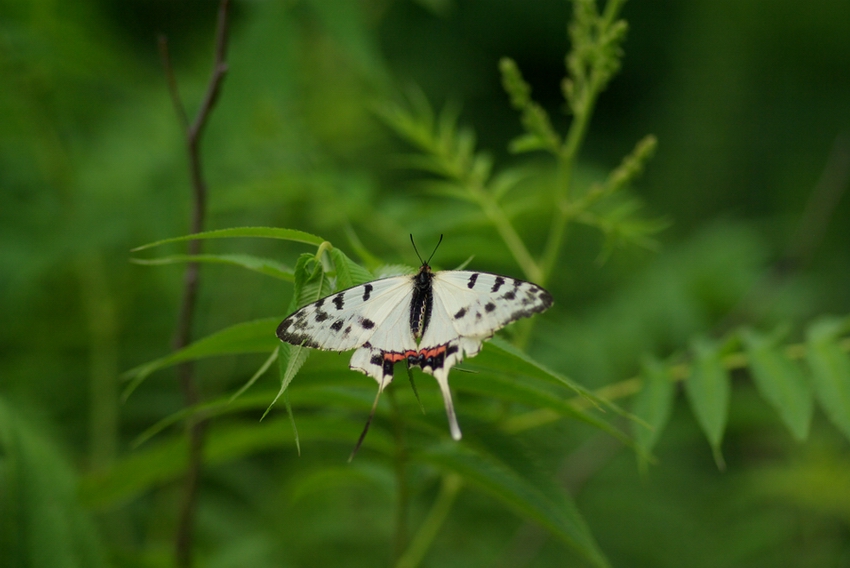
(375, 319)
(469, 307)
(477, 304)
(372, 318)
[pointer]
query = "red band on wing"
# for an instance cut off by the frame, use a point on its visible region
(394, 357)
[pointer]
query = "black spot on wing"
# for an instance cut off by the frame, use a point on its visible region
(489, 307)
(337, 325)
(339, 301)
(497, 284)
(388, 367)
(451, 349)
(545, 299)
(377, 359)
(301, 339)
(367, 291)
(472, 280)
(347, 330)
(509, 295)
(321, 316)
(460, 313)
(319, 303)
(366, 323)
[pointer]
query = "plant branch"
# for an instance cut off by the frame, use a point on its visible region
(633, 385)
(438, 514)
(183, 331)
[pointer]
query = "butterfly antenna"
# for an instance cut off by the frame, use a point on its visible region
(368, 423)
(435, 249)
(415, 249)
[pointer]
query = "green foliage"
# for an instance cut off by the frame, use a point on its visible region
(653, 403)
(780, 381)
(730, 310)
(43, 524)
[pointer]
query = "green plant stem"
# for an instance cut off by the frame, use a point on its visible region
(402, 488)
(563, 197)
(612, 10)
(426, 534)
(506, 230)
(100, 311)
(184, 537)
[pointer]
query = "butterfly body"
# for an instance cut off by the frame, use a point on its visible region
(429, 319)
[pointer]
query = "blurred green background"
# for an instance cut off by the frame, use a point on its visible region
(750, 102)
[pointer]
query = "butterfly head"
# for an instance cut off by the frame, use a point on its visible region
(423, 277)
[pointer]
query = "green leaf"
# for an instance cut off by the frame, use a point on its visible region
(311, 284)
(290, 361)
(508, 179)
(348, 272)
(526, 391)
(165, 461)
(529, 142)
(42, 522)
(653, 403)
(538, 500)
(263, 368)
(256, 336)
(259, 232)
(780, 381)
(502, 357)
(708, 389)
(830, 368)
(265, 266)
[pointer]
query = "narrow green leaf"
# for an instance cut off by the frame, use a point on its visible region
(311, 284)
(653, 403)
(508, 179)
(210, 409)
(42, 522)
(780, 382)
(226, 442)
(292, 423)
(265, 266)
(708, 389)
(291, 359)
(501, 356)
(348, 272)
(830, 368)
(256, 336)
(505, 357)
(263, 368)
(258, 232)
(529, 142)
(527, 392)
(543, 503)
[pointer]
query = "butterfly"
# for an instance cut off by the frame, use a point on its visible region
(429, 320)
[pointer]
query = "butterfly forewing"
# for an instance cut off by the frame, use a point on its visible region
(348, 319)
(477, 304)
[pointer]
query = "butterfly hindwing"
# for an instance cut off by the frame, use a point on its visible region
(469, 307)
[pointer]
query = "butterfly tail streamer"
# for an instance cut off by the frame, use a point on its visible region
(442, 376)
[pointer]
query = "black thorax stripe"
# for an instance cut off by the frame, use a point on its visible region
(421, 302)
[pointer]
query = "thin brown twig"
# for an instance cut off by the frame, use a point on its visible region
(183, 331)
